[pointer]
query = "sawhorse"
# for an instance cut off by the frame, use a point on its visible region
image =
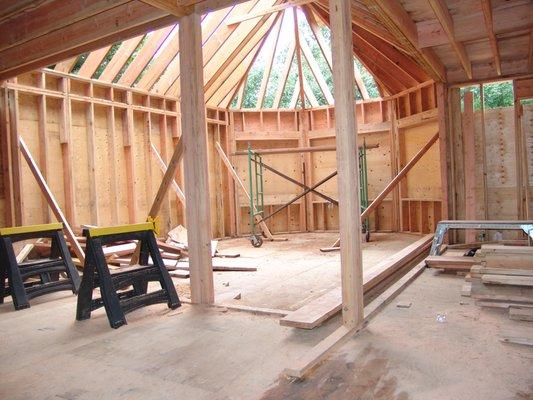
(96, 273)
(443, 226)
(47, 270)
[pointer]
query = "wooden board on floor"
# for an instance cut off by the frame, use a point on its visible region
(518, 336)
(480, 291)
(508, 280)
(521, 313)
(314, 313)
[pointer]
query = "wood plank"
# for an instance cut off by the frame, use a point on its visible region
(498, 248)
(451, 262)
(443, 15)
(478, 270)
(314, 313)
(522, 336)
(505, 293)
(194, 136)
(521, 313)
(508, 280)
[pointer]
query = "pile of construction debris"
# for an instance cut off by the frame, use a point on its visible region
(174, 251)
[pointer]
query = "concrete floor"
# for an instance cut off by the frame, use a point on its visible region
(194, 353)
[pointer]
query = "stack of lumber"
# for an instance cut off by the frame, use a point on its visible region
(504, 279)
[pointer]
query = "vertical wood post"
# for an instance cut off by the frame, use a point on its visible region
(194, 136)
(5, 147)
(66, 152)
(442, 107)
(347, 164)
(470, 163)
(91, 157)
(129, 158)
(43, 142)
(16, 171)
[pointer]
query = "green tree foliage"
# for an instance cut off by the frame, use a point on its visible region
(255, 75)
(498, 94)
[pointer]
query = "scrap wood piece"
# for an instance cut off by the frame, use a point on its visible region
(184, 265)
(171, 247)
(521, 313)
(237, 179)
(318, 353)
(179, 274)
(120, 249)
(271, 312)
(178, 234)
(466, 290)
(25, 252)
(523, 335)
(392, 184)
(51, 200)
(220, 255)
(314, 313)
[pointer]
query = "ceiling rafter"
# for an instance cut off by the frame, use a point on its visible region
(399, 23)
(144, 56)
(120, 58)
(486, 6)
(443, 15)
(284, 74)
(216, 42)
(172, 72)
(92, 62)
(225, 75)
(269, 63)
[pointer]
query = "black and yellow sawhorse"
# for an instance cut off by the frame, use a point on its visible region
(96, 273)
(47, 270)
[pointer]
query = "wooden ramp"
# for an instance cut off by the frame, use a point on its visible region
(314, 313)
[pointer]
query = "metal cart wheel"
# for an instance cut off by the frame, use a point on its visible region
(256, 240)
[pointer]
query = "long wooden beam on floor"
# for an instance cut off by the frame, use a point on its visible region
(314, 313)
